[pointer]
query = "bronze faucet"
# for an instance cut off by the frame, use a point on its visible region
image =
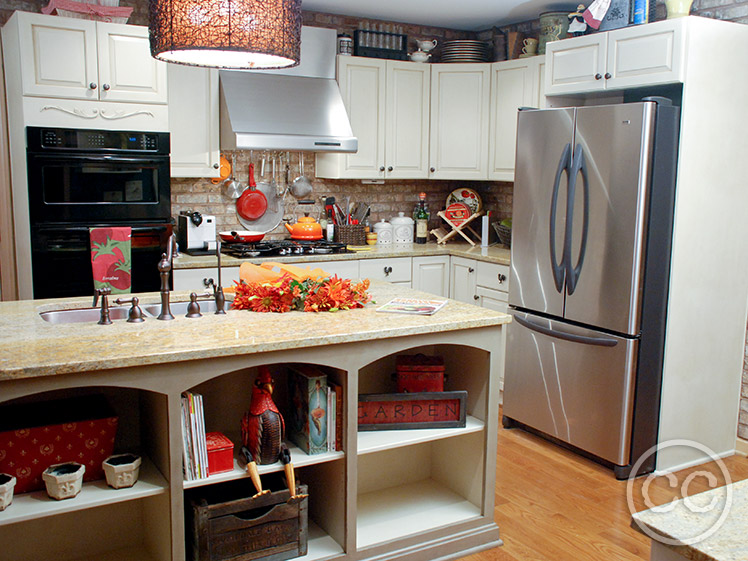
(164, 268)
(104, 318)
(217, 294)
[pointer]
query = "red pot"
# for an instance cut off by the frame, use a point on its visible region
(241, 236)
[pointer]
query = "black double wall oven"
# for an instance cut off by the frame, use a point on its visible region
(80, 179)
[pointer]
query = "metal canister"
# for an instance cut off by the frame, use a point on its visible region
(345, 45)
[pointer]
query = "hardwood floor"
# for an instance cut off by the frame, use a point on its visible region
(552, 505)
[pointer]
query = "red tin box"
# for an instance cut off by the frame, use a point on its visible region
(35, 436)
(220, 453)
(419, 373)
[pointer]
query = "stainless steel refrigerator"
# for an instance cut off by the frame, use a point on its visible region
(592, 229)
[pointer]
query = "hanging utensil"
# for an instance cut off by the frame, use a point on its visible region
(252, 203)
(301, 188)
(232, 187)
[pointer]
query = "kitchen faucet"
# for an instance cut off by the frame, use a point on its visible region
(164, 268)
(217, 294)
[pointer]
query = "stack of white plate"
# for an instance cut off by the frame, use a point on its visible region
(466, 50)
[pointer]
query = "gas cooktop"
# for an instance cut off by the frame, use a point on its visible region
(283, 247)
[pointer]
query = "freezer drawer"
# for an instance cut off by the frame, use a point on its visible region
(571, 383)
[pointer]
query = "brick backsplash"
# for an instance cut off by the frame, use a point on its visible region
(385, 200)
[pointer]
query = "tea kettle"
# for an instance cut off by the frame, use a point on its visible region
(306, 228)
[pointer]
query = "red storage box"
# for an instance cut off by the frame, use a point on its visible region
(419, 373)
(37, 435)
(220, 453)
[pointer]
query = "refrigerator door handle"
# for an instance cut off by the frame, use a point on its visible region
(579, 165)
(558, 266)
(585, 340)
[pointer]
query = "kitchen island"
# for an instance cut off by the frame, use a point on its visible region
(392, 494)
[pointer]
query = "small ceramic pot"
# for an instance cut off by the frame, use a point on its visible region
(121, 470)
(383, 230)
(64, 481)
(7, 483)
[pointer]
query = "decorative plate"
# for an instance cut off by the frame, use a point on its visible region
(467, 197)
(457, 213)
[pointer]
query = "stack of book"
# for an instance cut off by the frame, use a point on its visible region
(195, 449)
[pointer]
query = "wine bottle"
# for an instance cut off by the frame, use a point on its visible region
(422, 219)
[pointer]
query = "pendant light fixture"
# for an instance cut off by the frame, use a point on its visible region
(226, 33)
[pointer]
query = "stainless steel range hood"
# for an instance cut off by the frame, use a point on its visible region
(296, 109)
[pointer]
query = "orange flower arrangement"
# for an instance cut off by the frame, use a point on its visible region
(286, 294)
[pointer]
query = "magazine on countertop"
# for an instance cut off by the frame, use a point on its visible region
(412, 306)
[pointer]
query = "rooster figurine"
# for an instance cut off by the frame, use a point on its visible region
(263, 432)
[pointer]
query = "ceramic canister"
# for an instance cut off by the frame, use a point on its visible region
(383, 230)
(402, 228)
(553, 26)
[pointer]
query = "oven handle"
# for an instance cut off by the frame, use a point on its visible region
(163, 228)
(104, 158)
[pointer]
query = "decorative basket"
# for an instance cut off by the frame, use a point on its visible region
(351, 234)
(103, 10)
(504, 233)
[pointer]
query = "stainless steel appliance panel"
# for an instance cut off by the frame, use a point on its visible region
(544, 144)
(574, 384)
(612, 148)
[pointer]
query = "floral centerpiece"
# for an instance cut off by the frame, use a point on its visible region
(309, 295)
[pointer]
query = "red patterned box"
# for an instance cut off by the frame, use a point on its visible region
(35, 436)
(220, 453)
(419, 373)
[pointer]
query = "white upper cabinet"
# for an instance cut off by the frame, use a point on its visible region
(127, 71)
(388, 105)
(80, 59)
(193, 121)
(641, 55)
(407, 120)
(459, 121)
(514, 84)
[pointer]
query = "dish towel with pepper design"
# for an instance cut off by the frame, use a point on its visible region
(110, 258)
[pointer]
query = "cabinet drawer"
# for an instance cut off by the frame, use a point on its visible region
(492, 275)
(390, 270)
(192, 279)
(344, 269)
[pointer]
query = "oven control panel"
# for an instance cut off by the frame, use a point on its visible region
(86, 140)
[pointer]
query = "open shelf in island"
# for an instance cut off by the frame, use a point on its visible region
(37, 504)
(299, 458)
(396, 512)
(379, 440)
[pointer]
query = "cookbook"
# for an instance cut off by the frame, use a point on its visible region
(412, 306)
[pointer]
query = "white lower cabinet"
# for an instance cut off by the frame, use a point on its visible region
(462, 280)
(431, 274)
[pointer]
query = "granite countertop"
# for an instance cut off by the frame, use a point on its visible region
(30, 346)
(683, 524)
(493, 254)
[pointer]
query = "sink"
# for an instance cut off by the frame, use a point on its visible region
(180, 308)
(83, 315)
(92, 315)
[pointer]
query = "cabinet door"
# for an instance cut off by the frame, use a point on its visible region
(511, 88)
(193, 121)
(538, 83)
(362, 85)
(646, 55)
(431, 274)
(127, 71)
(459, 121)
(58, 56)
(576, 65)
(492, 299)
(407, 120)
(462, 280)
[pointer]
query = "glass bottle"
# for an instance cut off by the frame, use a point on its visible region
(421, 217)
